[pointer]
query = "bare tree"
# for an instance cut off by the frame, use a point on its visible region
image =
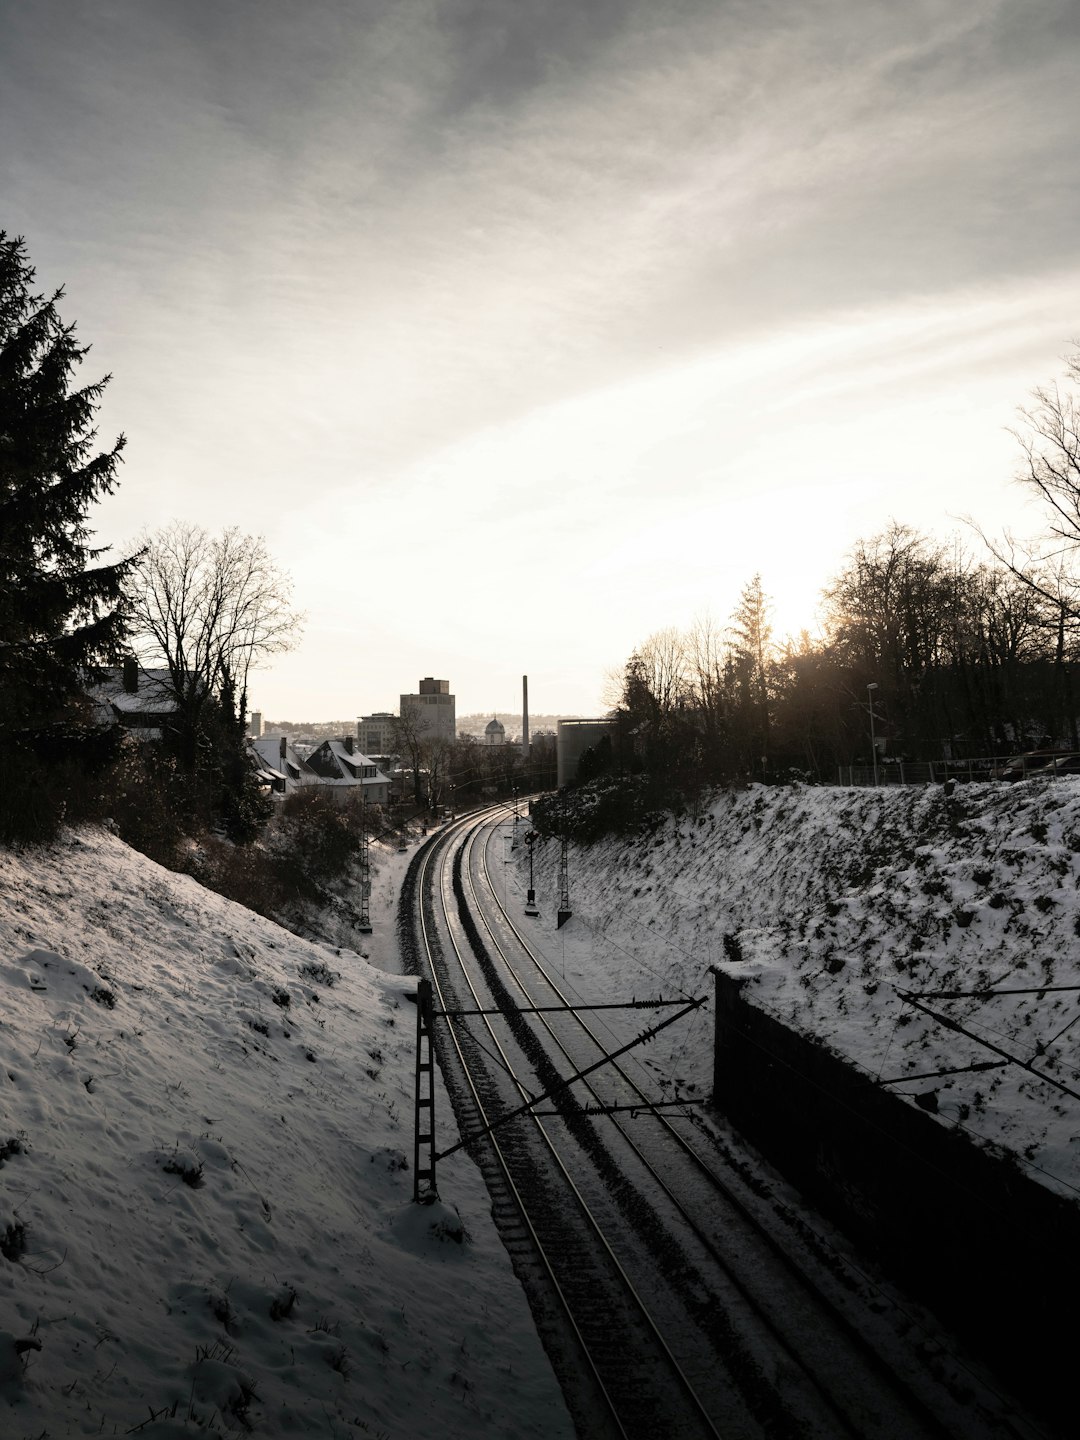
(208, 608)
(1050, 441)
(708, 653)
(1049, 437)
(409, 738)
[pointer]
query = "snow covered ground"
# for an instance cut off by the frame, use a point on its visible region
(205, 1215)
(831, 902)
(205, 1182)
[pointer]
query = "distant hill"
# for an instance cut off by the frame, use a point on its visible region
(478, 723)
(317, 730)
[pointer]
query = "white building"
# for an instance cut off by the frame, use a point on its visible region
(347, 771)
(494, 732)
(377, 734)
(281, 765)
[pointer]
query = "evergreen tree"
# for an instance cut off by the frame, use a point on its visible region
(61, 613)
(750, 664)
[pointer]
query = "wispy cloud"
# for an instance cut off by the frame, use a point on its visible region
(355, 249)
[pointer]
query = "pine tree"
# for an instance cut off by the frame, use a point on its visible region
(62, 614)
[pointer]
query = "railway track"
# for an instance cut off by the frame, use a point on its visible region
(667, 1299)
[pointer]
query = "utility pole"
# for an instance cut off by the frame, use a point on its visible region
(364, 925)
(424, 1188)
(564, 912)
(425, 1156)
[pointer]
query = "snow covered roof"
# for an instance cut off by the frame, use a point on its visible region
(152, 695)
(292, 767)
(348, 763)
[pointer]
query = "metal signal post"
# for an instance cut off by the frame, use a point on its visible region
(530, 898)
(424, 1134)
(564, 912)
(364, 924)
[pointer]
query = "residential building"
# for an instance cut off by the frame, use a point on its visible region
(377, 734)
(280, 766)
(340, 765)
(141, 700)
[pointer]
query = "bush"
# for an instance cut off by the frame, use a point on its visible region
(30, 812)
(255, 877)
(55, 777)
(324, 838)
(608, 805)
(143, 799)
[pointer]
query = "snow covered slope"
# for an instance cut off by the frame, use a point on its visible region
(205, 1199)
(831, 902)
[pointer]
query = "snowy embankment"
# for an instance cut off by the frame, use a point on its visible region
(830, 903)
(205, 1182)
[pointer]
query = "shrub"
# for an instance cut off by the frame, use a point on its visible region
(323, 837)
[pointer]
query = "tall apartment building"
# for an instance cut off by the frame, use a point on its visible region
(432, 710)
(376, 734)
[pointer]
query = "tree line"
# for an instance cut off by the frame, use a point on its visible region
(968, 653)
(196, 610)
(963, 650)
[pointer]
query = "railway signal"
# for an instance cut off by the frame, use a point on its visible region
(530, 897)
(564, 911)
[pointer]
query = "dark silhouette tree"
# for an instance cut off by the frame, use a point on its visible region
(62, 612)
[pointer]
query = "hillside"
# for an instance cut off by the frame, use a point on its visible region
(205, 1182)
(830, 903)
(205, 1121)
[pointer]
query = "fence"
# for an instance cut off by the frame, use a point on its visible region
(917, 772)
(936, 772)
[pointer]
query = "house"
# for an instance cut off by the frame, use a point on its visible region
(340, 765)
(279, 765)
(142, 701)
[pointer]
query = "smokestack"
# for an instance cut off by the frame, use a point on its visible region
(281, 749)
(524, 717)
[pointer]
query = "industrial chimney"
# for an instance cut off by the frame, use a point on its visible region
(524, 717)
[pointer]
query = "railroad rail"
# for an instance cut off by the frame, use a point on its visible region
(631, 1230)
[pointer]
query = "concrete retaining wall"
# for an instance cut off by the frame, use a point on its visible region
(993, 1253)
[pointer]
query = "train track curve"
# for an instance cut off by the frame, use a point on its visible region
(668, 1302)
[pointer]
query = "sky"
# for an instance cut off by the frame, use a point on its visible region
(524, 330)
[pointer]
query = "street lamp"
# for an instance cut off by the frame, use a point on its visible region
(873, 744)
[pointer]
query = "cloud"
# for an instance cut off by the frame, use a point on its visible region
(552, 261)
